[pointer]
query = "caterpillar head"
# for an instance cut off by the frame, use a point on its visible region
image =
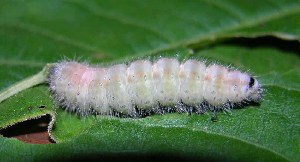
(254, 90)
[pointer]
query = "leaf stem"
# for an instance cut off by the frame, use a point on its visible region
(29, 82)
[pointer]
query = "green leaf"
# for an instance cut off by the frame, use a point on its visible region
(36, 32)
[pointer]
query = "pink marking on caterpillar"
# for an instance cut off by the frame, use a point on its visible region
(146, 86)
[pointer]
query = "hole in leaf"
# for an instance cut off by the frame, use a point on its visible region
(264, 41)
(31, 131)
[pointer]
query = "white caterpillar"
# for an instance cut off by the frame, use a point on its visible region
(146, 86)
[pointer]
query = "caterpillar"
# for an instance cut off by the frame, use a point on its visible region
(143, 86)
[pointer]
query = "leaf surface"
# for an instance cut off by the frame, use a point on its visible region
(34, 33)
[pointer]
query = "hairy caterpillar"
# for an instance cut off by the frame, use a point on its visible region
(143, 86)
